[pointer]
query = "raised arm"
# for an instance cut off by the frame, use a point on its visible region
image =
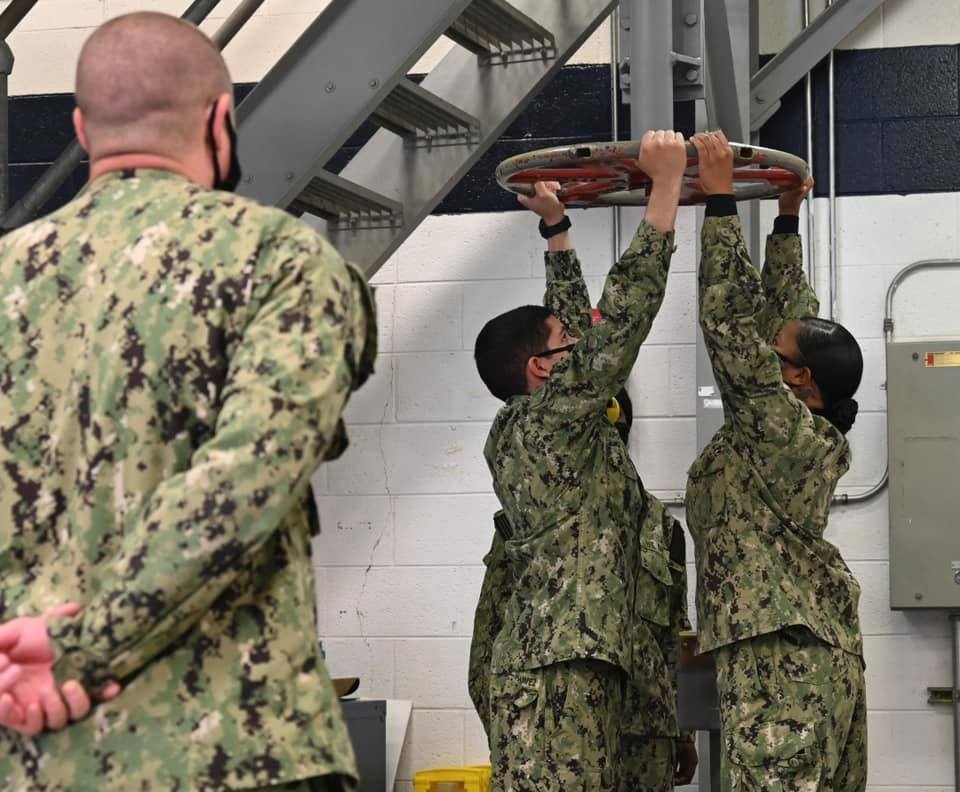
(601, 360)
(566, 296)
(745, 366)
(787, 293)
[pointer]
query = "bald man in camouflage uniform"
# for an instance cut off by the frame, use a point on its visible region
(174, 362)
(592, 582)
(776, 603)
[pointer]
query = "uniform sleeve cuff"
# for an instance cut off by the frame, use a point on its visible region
(73, 662)
(721, 206)
(652, 240)
(786, 224)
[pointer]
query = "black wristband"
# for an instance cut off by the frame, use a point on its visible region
(552, 230)
(786, 224)
(721, 205)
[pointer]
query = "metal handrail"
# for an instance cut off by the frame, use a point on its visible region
(13, 14)
(71, 157)
(240, 16)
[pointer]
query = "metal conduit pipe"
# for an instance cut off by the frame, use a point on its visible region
(13, 14)
(808, 102)
(898, 279)
(832, 155)
(71, 157)
(863, 497)
(240, 16)
(614, 114)
(955, 624)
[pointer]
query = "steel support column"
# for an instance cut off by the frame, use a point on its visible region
(731, 56)
(6, 67)
(651, 66)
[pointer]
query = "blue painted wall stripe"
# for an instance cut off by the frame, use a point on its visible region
(897, 110)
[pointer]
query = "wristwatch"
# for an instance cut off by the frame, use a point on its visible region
(552, 230)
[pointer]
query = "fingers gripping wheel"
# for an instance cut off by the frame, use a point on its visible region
(607, 174)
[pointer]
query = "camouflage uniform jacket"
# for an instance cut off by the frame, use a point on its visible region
(174, 363)
(759, 494)
(495, 592)
(591, 575)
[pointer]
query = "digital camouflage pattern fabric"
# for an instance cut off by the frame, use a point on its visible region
(646, 764)
(173, 366)
(495, 592)
(775, 601)
(759, 494)
(645, 760)
(794, 715)
(588, 563)
(556, 729)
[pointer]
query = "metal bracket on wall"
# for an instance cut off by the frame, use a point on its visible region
(940, 695)
(804, 52)
(687, 53)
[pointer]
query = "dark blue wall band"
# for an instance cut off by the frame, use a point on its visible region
(897, 112)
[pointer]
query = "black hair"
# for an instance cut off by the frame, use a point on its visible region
(504, 346)
(836, 364)
(626, 410)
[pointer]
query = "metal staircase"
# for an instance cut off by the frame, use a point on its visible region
(351, 66)
(348, 68)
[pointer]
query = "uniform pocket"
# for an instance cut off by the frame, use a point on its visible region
(776, 756)
(654, 585)
(706, 497)
(516, 713)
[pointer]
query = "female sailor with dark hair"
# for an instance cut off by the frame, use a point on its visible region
(776, 604)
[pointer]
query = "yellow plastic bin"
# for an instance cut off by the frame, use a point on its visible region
(453, 779)
(485, 772)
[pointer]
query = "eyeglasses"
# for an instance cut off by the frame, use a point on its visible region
(548, 352)
(785, 359)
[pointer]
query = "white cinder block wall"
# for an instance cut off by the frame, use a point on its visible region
(406, 513)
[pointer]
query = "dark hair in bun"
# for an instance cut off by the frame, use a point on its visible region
(836, 363)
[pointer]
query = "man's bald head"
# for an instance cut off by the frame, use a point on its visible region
(145, 83)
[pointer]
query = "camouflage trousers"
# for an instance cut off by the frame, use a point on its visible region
(794, 716)
(647, 763)
(328, 783)
(558, 729)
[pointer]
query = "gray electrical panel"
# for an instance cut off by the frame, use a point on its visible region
(923, 426)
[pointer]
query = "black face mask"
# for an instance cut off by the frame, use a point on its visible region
(232, 179)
